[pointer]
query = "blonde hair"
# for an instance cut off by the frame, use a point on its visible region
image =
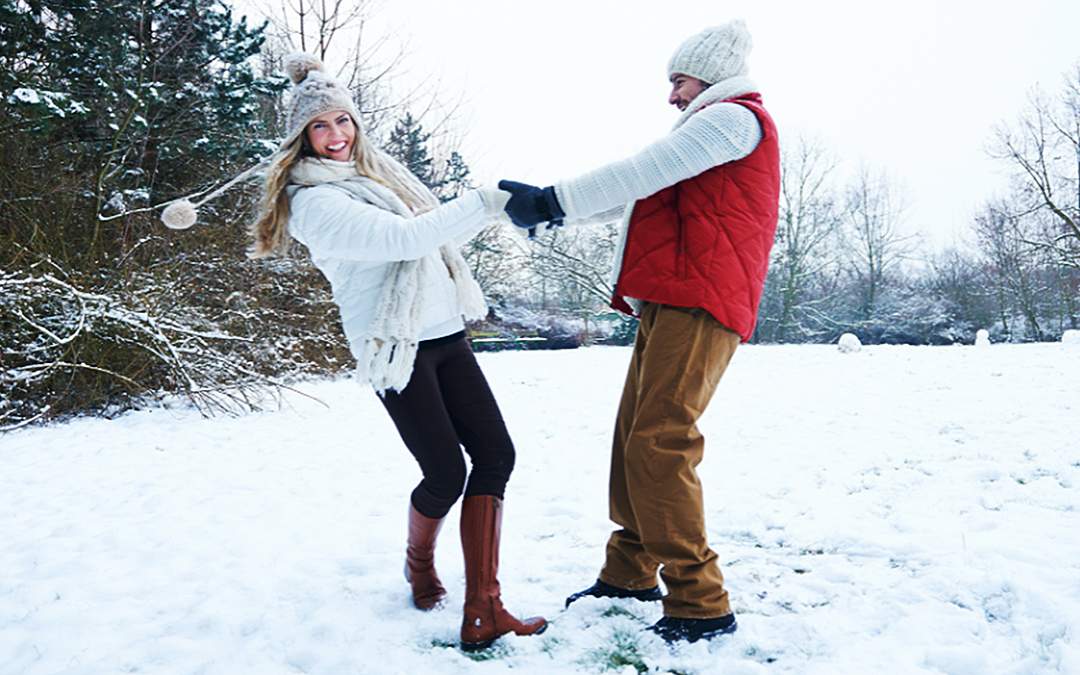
(270, 229)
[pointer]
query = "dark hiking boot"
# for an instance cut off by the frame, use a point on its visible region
(673, 629)
(604, 590)
(485, 617)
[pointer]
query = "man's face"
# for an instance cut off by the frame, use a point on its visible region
(684, 89)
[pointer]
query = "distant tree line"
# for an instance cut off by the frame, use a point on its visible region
(111, 108)
(843, 262)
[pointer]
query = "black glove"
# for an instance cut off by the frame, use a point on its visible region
(529, 205)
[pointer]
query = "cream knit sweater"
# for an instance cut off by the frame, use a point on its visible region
(354, 244)
(705, 136)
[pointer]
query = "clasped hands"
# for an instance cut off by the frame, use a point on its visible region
(529, 206)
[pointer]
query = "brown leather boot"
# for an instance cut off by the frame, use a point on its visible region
(427, 590)
(485, 617)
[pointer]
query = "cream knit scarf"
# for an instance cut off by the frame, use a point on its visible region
(390, 342)
(724, 89)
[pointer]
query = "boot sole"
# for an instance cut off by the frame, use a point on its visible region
(673, 638)
(477, 646)
(481, 646)
(651, 597)
(717, 633)
(427, 606)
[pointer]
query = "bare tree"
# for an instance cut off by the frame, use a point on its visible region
(494, 260)
(1011, 267)
(574, 265)
(809, 220)
(312, 25)
(1044, 148)
(875, 245)
(340, 30)
(957, 276)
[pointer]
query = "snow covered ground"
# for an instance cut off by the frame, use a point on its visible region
(896, 510)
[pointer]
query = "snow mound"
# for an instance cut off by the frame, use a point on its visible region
(982, 338)
(1071, 337)
(849, 343)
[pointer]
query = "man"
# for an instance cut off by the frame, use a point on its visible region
(699, 211)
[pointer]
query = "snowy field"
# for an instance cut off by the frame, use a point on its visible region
(895, 510)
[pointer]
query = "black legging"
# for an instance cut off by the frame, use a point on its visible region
(446, 405)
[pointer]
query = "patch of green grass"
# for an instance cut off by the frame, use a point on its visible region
(615, 610)
(495, 651)
(549, 645)
(621, 653)
(444, 643)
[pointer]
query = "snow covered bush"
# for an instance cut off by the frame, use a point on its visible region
(68, 350)
(1071, 337)
(567, 327)
(99, 307)
(849, 343)
(65, 350)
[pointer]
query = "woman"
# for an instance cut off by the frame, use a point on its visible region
(388, 249)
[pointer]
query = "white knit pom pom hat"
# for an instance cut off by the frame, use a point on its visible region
(714, 54)
(314, 93)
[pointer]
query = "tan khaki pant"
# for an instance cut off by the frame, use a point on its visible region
(656, 498)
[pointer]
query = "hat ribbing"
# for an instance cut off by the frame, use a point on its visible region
(714, 54)
(314, 93)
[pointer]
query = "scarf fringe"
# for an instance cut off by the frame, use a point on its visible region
(388, 364)
(469, 295)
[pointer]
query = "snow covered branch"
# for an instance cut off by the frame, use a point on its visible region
(62, 345)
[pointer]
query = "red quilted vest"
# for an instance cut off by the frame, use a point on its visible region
(704, 242)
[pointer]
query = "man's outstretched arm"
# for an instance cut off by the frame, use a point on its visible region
(720, 133)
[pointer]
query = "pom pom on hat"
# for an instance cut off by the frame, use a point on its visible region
(299, 64)
(180, 215)
(314, 92)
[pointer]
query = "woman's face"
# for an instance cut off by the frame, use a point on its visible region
(332, 135)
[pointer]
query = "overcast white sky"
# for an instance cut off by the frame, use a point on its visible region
(555, 88)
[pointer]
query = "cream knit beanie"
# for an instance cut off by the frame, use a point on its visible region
(714, 54)
(314, 93)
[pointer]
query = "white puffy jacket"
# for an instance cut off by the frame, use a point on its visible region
(353, 244)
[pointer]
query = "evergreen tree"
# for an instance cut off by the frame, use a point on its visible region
(139, 100)
(408, 144)
(457, 178)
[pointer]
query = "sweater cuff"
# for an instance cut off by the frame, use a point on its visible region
(567, 204)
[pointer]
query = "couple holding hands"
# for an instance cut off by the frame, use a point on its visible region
(698, 210)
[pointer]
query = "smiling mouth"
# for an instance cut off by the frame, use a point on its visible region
(336, 147)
